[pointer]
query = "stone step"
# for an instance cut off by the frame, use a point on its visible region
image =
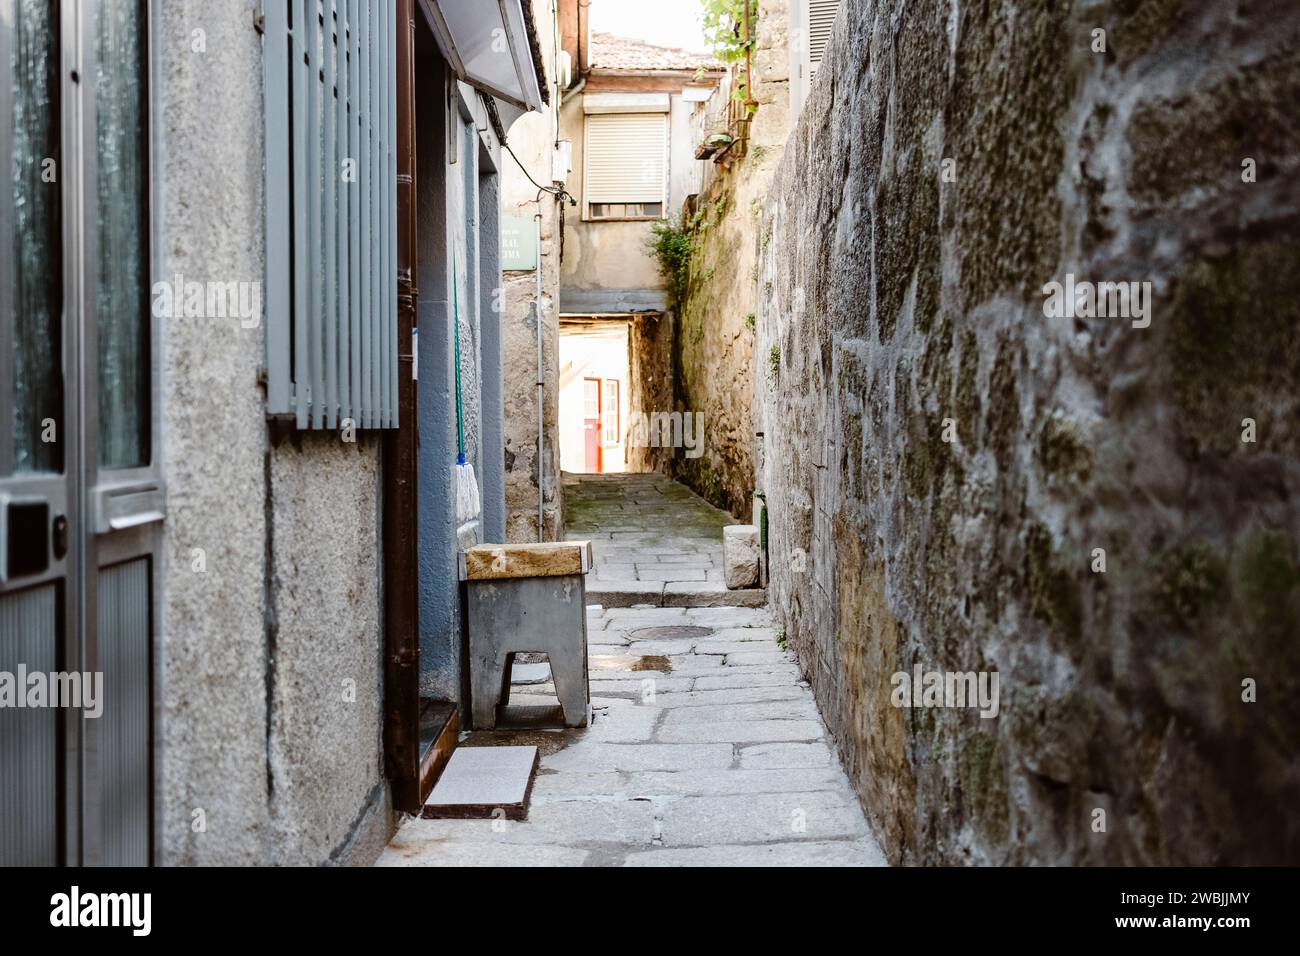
(677, 594)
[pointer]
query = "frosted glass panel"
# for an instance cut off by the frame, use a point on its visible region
(35, 165)
(121, 104)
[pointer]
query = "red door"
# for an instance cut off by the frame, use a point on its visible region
(591, 423)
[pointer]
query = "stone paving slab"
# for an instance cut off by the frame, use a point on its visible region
(747, 677)
(762, 818)
(739, 731)
(705, 747)
(701, 783)
(640, 686)
(735, 695)
(556, 787)
(594, 758)
(800, 708)
(571, 823)
(418, 852)
(760, 658)
(601, 638)
(738, 647)
(841, 853)
(788, 755)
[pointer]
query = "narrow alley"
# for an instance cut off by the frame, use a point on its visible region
(443, 433)
(705, 748)
(655, 542)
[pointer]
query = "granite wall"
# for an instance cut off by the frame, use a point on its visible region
(949, 467)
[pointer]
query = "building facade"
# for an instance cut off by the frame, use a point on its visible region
(227, 223)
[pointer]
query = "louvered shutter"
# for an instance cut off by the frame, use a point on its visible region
(626, 157)
(821, 18)
(330, 89)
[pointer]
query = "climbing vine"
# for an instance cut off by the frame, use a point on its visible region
(671, 248)
(723, 24)
(722, 27)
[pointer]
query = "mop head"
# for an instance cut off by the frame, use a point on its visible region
(468, 505)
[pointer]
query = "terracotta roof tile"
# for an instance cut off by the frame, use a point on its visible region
(609, 52)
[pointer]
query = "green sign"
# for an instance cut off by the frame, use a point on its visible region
(518, 243)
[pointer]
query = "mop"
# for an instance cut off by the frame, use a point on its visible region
(467, 499)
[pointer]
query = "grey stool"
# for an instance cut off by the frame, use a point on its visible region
(527, 597)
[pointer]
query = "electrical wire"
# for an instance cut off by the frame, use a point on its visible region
(559, 192)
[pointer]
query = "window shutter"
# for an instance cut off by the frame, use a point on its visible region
(626, 157)
(330, 87)
(821, 19)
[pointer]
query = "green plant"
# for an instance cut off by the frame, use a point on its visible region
(781, 640)
(756, 155)
(749, 321)
(722, 21)
(774, 362)
(671, 248)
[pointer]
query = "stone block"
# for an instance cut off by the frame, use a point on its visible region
(740, 555)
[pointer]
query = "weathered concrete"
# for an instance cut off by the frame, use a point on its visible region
(326, 672)
(942, 460)
(255, 728)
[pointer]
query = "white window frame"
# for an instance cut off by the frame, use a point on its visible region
(587, 203)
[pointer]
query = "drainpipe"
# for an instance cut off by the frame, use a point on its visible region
(541, 438)
(401, 555)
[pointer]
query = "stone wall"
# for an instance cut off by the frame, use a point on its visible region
(715, 345)
(651, 380)
(942, 460)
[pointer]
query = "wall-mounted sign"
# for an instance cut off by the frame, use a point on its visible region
(518, 243)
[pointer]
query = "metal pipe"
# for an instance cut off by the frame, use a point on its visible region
(400, 501)
(541, 438)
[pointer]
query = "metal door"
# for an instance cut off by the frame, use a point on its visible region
(80, 496)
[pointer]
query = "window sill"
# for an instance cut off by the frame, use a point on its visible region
(622, 219)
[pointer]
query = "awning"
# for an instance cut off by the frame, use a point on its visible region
(488, 45)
